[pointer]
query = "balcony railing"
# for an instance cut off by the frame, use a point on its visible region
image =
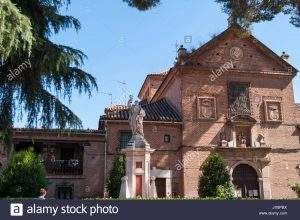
(64, 167)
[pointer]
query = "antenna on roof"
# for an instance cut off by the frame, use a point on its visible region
(176, 46)
(125, 91)
(110, 95)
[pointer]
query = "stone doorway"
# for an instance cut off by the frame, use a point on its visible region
(160, 187)
(245, 180)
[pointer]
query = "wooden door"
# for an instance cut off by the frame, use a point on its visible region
(138, 185)
(245, 180)
(160, 187)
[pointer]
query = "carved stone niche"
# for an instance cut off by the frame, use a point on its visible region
(273, 111)
(206, 108)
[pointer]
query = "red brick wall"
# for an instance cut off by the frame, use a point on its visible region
(91, 183)
(283, 137)
(173, 94)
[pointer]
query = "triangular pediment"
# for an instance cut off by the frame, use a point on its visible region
(239, 52)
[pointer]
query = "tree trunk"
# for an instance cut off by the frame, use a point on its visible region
(6, 150)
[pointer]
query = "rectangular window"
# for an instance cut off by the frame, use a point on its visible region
(139, 165)
(167, 138)
(238, 98)
(125, 137)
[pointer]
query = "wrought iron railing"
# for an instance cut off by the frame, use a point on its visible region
(64, 167)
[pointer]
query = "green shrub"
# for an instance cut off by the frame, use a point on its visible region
(215, 180)
(23, 177)
(225, 192)
(296, 188)
(114, 181)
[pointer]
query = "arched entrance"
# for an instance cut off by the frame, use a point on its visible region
(245, 180)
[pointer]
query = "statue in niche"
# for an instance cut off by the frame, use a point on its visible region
(243, 140)
(224, 142)
(261, 140)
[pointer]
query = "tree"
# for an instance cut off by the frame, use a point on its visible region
(142, 5)
(15, 30)
(114, 180)
(246, 12)
(243, 12)
(296, 188)
(215, 180)
(24, 176)
(28, 81)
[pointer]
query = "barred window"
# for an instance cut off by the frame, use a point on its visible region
(124, 138)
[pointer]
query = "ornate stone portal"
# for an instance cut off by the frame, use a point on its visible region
(136, 183)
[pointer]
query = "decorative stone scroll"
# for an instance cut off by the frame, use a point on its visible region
(273, 111)
(206, 108)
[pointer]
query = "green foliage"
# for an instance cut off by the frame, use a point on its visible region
(215, 180)
(296, 188)
(246, 12)
(243, 12)
(54, 73)
(114, 181)
(225, 192)
(15, 30)
(142, 5)
(23, 177)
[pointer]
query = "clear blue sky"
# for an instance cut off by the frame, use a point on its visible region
(123, 44)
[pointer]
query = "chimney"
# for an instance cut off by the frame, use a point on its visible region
(285, 56)
(182, 55)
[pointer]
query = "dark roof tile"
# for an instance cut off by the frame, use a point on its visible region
(156, 111)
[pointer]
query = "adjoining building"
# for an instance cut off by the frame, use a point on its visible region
(232, 96)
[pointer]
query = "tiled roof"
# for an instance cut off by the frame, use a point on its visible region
(157, 111)
(162, 73)
(75, 131)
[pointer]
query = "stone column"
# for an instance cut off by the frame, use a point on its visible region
(85, 159)
(140, 156)
(265, 182)
(168, 187)
(124, 192)
(153, 191)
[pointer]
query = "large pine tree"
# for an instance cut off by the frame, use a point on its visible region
(15, 30)
(54, 72)
(243, 12)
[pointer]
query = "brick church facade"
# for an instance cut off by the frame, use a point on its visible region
(232, 96)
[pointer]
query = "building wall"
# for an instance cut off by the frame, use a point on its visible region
(283, 138)
(173, 94)
(91, 183)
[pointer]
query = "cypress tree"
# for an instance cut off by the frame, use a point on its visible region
(215, 178)
(116, 173)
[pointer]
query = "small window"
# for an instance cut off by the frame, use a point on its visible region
(167, 138)
(125, 137)
(139, 165)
